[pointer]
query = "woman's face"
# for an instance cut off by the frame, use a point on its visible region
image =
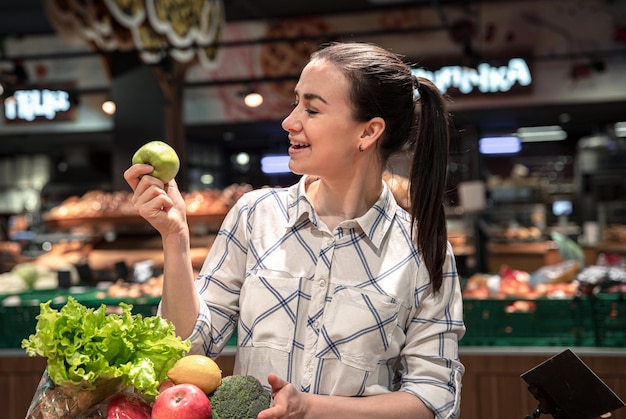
(323, 135)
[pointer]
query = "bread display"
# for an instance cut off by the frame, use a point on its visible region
(95, 204)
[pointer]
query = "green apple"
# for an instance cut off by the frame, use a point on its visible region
(161, 156)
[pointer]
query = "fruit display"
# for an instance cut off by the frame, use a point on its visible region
(122, 289)
(558, 281)
(29, 276)
(97, 203)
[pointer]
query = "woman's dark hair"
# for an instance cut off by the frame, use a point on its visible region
(382, 85)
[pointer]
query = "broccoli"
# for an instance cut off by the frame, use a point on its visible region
(239, 397)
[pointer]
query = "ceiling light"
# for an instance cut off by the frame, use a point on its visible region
(545, 133)
(253, 99)
(620, 129)
(499, 145)
(108, 107)
(275, 164)
(242, 158)
(207, 179)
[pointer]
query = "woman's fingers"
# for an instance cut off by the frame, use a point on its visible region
(134, 173)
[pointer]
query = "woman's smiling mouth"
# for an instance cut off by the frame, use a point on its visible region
(298, 146)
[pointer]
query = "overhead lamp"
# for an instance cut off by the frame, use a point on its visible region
(253, 99)
(207, 179)
(620, 129)
(499, 145)
(272, 164)
(108, 107)
(242, 158)
(542, 133)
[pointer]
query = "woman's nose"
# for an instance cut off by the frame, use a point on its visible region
(290, 123)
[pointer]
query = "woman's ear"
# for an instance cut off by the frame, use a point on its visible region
(372, 131)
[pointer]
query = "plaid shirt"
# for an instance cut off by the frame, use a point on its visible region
(349, 312)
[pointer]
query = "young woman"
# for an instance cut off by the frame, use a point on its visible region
(346, 304)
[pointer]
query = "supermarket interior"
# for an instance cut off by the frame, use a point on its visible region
(536, 187)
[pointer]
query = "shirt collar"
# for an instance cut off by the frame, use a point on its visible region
(375, 222)
(298, 205)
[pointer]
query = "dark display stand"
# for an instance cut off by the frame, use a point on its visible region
(567, 389)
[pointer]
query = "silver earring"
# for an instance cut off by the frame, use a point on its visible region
(360, 148)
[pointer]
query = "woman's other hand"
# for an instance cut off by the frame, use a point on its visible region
(288, 402)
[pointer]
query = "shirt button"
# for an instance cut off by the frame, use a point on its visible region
(316, 325)
(322, 283)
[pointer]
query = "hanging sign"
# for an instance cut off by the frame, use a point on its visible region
(38, 104)
(485, 78)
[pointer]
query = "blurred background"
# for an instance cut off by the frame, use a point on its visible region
(536, 202)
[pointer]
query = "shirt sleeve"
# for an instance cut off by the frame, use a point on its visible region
(433, 369)
(219, 284)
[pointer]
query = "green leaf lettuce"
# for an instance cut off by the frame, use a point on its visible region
(85, 346)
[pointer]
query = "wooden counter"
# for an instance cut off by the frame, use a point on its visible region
(531, 256)
(527, 257)
(492, 387)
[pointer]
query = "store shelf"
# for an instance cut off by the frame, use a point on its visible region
(528, 257)
(612, 247)
(537, 247)
(69, 222)
(463, 249)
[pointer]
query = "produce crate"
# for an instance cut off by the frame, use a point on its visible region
(550, 322)
(609, 317)
(596, 320)
(18, 322)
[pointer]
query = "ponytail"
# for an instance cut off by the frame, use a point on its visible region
(428, 180)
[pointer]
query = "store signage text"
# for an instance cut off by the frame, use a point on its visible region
(485, 77)
(31, 104)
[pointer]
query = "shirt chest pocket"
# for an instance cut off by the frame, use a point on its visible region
(358, 327)
(269, 304)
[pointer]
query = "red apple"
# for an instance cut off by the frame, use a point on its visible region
(165, 385)
(128, 406)
(182, 401)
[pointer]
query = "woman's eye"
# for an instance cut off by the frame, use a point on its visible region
(307, 110)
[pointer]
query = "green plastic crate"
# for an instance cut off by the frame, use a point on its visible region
(16, 323)
(552, 322)
(19, 322)
(609, 317)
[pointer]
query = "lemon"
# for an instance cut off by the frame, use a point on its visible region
(196, 369)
